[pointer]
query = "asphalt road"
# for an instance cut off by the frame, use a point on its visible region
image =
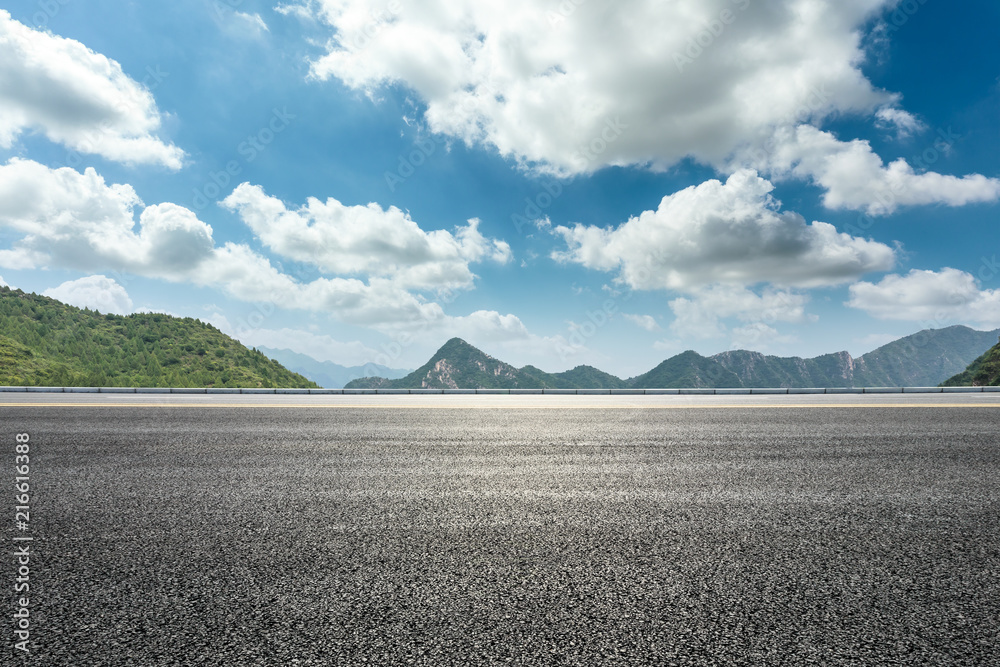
(570, 531)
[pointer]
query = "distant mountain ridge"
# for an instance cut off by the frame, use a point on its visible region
(926, 358)
(326, 373)
(458, 365)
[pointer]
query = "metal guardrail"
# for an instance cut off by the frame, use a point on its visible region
(520, 392)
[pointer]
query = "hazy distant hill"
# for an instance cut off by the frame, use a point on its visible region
(923, 359)
(983, 372)
(328, 374)
(44, 342)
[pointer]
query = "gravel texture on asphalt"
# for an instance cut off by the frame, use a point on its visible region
(256, 536)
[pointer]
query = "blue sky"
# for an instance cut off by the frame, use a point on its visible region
(558, 183)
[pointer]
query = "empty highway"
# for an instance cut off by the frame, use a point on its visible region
(523, 530)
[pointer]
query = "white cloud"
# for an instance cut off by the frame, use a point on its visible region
(723, 233)
(701, 314)
(71, 220)
(934, 298)
(574, 87)
(303, 11)
(875, 340)
(668, 345)
(759, 337)
(3, 283)
(905, 123)
(254, 22)
(577, 86)
(318, 346)
(855, 178)
(76, 97)
(74, 220)
(368, 240)
(646, 322)
(95, 292)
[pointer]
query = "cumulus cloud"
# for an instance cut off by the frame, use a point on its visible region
(855, 178)
(95, 292)
(3, 283)
(701, 314)
(575, 87)
(933, 298)
(68, 219)
(903, 122)
(732, 233)
(318, 346)
(759, 337)
(76, 97)
(646, 322)
(367, 240)
(689, 78)
(73, 220)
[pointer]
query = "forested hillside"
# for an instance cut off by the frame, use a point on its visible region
(44, 342)
(983, 372)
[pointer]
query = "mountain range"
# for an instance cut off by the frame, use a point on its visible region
(46, 342)
(926, 358)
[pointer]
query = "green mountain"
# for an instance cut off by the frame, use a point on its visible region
(44, 342)
(687, 369)
(923, 359)
(457, 365)
(983, 372)
(326, 373)
(587, 377)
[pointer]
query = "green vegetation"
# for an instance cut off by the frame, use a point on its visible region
(923, 359)
(460, 365)
(983, 372)
(456, 365)
(688, 369)
(44, 342)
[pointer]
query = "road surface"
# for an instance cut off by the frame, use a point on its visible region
(455, 530)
